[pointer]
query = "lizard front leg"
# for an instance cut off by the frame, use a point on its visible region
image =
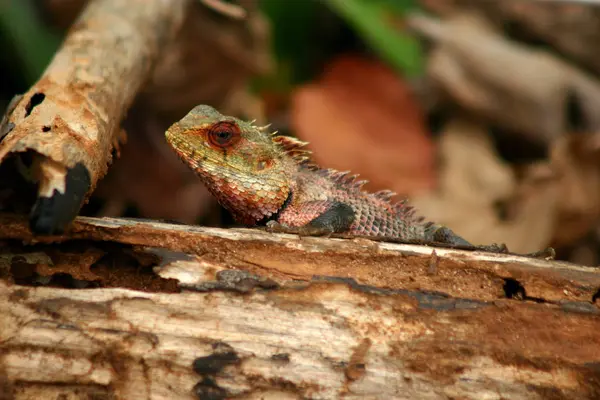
(324, 218)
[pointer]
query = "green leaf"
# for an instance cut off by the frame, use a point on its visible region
(293, 41)
(372, 20)
(34, 44)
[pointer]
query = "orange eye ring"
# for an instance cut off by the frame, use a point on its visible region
(224, 134)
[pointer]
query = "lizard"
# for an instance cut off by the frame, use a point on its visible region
(263, 178)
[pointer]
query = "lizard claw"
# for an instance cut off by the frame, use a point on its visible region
(547, 254)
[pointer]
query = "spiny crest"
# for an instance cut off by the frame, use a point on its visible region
(343, 178)
(406, 211)
(385, 194)
(289, 143)
(294, 148)
(350, 181)
(262, 128)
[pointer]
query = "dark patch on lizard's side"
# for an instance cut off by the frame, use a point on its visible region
(337, 218)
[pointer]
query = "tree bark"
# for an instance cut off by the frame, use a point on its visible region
(277, 316)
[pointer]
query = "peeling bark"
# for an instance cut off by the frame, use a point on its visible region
(68, 122)
(277, 316)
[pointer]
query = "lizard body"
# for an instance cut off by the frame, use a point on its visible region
(263, 178)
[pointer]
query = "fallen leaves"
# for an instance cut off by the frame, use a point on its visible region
(550, 202)
(474, 186)
(528, 96)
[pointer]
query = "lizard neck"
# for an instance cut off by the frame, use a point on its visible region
(249, 198)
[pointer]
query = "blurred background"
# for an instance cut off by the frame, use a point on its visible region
(484, 113)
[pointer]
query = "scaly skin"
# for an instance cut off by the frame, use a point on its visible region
(262, 178)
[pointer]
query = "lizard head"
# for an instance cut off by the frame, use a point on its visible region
(241, 164)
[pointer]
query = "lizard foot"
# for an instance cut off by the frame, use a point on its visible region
(276, 227)
(443, 234)
(547, 254)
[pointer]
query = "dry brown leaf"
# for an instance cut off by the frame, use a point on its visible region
(360, 116)
(473, 181)
(554, 202)
(576, 160)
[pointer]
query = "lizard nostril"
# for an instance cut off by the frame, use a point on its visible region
(263, 164)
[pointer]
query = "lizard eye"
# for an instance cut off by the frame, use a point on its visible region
(223, 134)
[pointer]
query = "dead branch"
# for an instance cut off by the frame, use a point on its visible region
(532, 93)
(569, 26)
(65, 127)
(319, 318)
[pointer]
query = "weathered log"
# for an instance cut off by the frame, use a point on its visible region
(66, 125)
(278, 316)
